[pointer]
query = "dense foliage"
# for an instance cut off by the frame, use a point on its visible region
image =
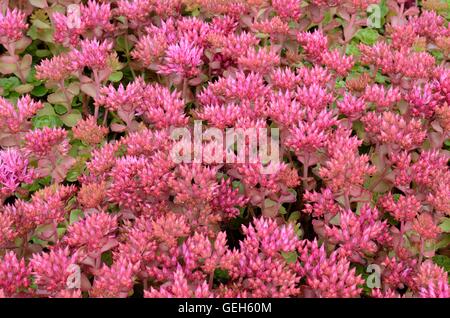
(92, 203)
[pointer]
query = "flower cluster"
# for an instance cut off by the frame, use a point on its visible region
(342, 166)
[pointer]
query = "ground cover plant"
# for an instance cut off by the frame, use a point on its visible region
(356, 202)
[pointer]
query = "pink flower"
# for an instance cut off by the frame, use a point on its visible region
(431, 168)
(179, 288)
(380, 55)
(234, 45)
(115, 281)
(285, 110)
(425, 226)
(314, 44)
(14, 169)
(284, 79)
(7, 221)
(161, 107)
(47, 206)
(96, 17)
(139, 182)
(15, 119)
(403, 36)
(146, 142)
(315, 75)
(92, 18)
(351, 106)
(194, 184)
(183, 59)
(169, 228)
(57, 69)
(323, 203)
(432, 281)
(429, 24)
(287, 9)
(404, 209)
(92, 54)
(127, 99)
(314, 97)
(102, 160)
(345, 169)
(93, 232)
(259, 263)
(14, 274)
(46, 141)
(52, 270)
(92, 195)
(193, 30)
(422, 100)
(397, 273)
(275, 27)
(328, 276)
(393, 129)
(228, 199)
(135, 10)
(307, 137)
(220, 116)
(381, 97)
(358, 235)
(89, 132)
(334, 60)
(12, 26)
(259, 61)
(150, 49)
(416, 64)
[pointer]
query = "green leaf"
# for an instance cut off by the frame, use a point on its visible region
(107, 258)
(238, 184)
(444, 242)
(442, 261)
(71, 119)
(115, 76)
(352, 49)
(367, 35)
(60, 109)
(294, 216)
(445, 225)
(9, 83)
(75, 215)
(269, 203)
(61, 231)
(221, 274)
(39, 91)
(282, 210)
(46, 121)
(24, 88)
(43, 53)
(380, 79)
(290, 257)
(46, 110)
(72, 175)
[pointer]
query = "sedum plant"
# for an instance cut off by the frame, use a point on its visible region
(93, 204)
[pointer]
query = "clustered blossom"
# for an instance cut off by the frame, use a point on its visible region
(12, 26)
(100, 99)
(15, 119)
(14, 169)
